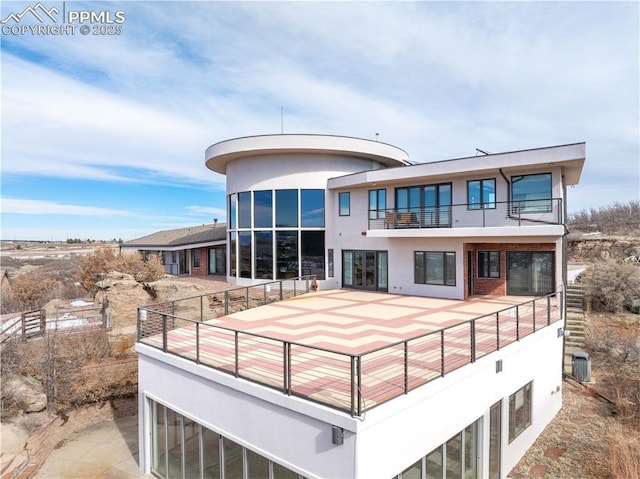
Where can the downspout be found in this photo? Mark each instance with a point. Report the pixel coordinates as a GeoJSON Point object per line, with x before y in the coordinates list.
{"type": "Point", "coordinates": [565, 251]}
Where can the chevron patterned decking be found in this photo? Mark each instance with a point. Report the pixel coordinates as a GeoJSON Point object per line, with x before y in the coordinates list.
{"type": "Point", "coordinates": [306, 345]}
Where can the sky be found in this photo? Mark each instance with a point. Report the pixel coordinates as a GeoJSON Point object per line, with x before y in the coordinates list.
{"type": "Point", "coordinates": [103, 134]}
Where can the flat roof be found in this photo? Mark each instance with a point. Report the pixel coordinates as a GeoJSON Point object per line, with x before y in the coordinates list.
{"type": "Point", "coordinates": [219, 155]}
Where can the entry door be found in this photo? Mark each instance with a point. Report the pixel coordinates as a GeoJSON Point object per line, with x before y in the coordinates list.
{"type": "Point", "coordinates": [364, 270]}
{"type": "Point", "coordinates": [530, 273]}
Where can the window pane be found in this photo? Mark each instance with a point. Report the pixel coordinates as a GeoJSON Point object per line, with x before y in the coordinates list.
{"type": "Point", "coordinates": [244, 209]}
{"type": "Point", "coordinates": [419, 272]}
{"type": "Point", "coordinates": [191, 449]}
{"type": "Point", "coordinates": [159, 453]}
{"type": "Point", "coordinates": [495, 435]}
{"type": "Point", "coordinates": [257, 465]}
{"type": "Point", "coordinates": [244, 239]}
{"type": "Point", "coordinates": [281, 472]}
{"type": "Point", "coordinates": [470, 452]}
{"type": "Point", "coordinates": [233, 204]}
{"type": "Point", "coordinates": [264, 254]}
{"type": "Point", "coordinates": [211, 453]}
{"type": "Point", "coordinates": [414, 471]}
{"type": "Point", "coordinates": [287, 254]}
{"type": "Point", "coordinates": [345, 204]}
{"type": "Point", "coordinates": [312, 250]}
{"type": "Point", "coordinates": [473, 194]}
{"type": "Point", "coordinates": [489, 193]}
{"type": "Point", "coordinates": [528, 190]}
{"type": "Point", "coordinates": [347, 267]}
{"type": "Point", "coordinates": [382, 199]}
{"type": "Point", "coordinates": [232, 459]}
{"type": "Point", "coordinates": [174, 443]}
{"type": "Point", "coordinates": [358, 268]}
{"type": "Point", "coordinates": [196, 257]}
{"type": "Point", "coordinates": [519, 411]}
{"type": "Point", "coordinates": [383, 283]}
{"type": "Point", "coordinates": [402, 200]}
{"type": "Point", "coordinates": [330, 266]}
{"type": "Point", "coordinates": [450, 269]}
{"type": "Point", "coordinates": [232, 254]}
{"type": "Point", "coordinates": [312, 208]}
{"type": "Point", "coordinates": [435, 268]}
{"type": "Point", "coordinates": [262, 209]}
{"type": "Point", "coordinates": [286, 208]}
{"type": "Point", "coordinates": [454, 456]}
{"type": "Point", "coordinates": [434, 464]}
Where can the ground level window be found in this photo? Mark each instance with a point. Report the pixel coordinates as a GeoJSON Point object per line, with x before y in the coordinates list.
{"type": "Point", "coordinates": [195, 257]}
{"type": "Point", "coordinates": [488, 264]}
{"type": "Point", "coordinates": [431, 267]}
{"type": "Point", "coordinates": [519, 411]}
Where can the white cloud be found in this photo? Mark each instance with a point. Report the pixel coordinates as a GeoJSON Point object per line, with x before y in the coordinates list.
{"type": "Point", "coordinates": [40, 207]}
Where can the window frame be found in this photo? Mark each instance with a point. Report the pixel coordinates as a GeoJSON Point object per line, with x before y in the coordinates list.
{"type": "Point", "coordinates": [378, 198]}
{"type": "Point", "coordinates": [539, 202]}
{"type": "Point", "coordinates": [347, 211]}
{"type": "Point", "coordinates": [195, 257]}
{"type": "Point", "coordinates": [482, 203]}
{"type": "Point", "coordinates": [448, 269]}
{"type": "Point", "coordinates": [488, 273]}
{"type": "Point", "coordinates": [520, 417]}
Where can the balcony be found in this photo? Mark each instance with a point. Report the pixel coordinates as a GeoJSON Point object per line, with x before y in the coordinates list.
{"type": "Point", "coordinates": [487, 215]}
{"type": "Point", "coordinates": [346, 349]}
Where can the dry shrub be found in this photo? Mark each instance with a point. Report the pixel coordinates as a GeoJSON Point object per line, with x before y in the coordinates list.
{"type": "Point", "coordinates": [32, 290]}
{"type": "Point", "coordinates": [611, 286]}
{"type": "Point", "coordinates": [624, 459]}
{"type": "Point", "coordinates": [107, 259]}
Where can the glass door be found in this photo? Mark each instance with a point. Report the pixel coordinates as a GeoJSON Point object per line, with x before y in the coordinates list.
{"type": "Point", "coordinates": [365, 270]}
{"type": "Point", "coordinates": [530, 273]}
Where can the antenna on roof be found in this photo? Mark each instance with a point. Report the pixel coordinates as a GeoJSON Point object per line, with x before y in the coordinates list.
{"type": "Point", "coordinates": [478, 150]}
{"type": "Point", "coordinates": [377, 135]}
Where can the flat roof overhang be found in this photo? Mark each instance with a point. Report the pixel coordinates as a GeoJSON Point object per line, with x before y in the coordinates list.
{"type": "Point", "coordinates": [219, 155]}
{"type": "Point", "coordinates": [570, 158]}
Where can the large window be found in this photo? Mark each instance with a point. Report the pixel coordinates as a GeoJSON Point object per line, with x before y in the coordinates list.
{"type": "Point", "coordinates": [233, 262]}
{"type": "Point", "coordinates": [183, 449]}
{"type": "Point", "coordinates": [312, 208]}
{"type": "Point", "coordinates": [217, 261]}
{"type": "Point", "coordinates": [377, 204]}
{"type": "Point", "coordinates": [481, 194]}
{"type": "Point", "coordinates": [488, 264]}
{"type": "Point", "coordinates": [430, 204]}
{"type": "Point", "coordinates": [345, 203]}
{"type": "Point", "coordinates": [286, 208]}
{"type": "Point", "coordinates": [519, 411]}
{"type": "Point", "coordinates": [531, 193]}
{"type": "Point", "coordinates": [530, 272]}
{"type": "Point", "coordinates": [365, 270]}
{"type": "Point", "coordinates": [233, 206]}
{"type": "Point", "coordinates": [287, 254]}
{"type": "Point", "coordinates": [435, 268]}
{"type": "Point", "coordinates": [262, 209]}
{"type": "Point", "coordinates": [244, 257]}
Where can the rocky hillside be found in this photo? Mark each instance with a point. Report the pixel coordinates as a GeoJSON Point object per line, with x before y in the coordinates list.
{"type": "Point", "coordinates": [590, 248]}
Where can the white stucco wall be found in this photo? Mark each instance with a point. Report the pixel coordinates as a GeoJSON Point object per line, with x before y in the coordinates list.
{"type": "Point", "coordinates": [297, 433]}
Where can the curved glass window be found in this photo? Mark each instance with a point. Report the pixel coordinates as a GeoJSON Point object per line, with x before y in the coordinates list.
{"type": "Point", "coordinates": [312, 208]}
{"type": "Point", "coordinates": [264, 255]}
{"type": "Point", "coordinates": [244, 240]}
{"type": "Point", "coordinates": [233, 206]}
{"type": "Point", "coordinates": [287, 254]}
{"type": "Point", "coordinates": [262, 209]}
{"type": "Point", "coordinates": [244, 209]}
{"type": "Point", "coordinates": [286, 208]}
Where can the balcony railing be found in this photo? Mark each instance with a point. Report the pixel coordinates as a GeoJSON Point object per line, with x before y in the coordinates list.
{"type": "Point", "coordinates": [353, 383]}
{"type": "Point", "coordinates": [477, 215]}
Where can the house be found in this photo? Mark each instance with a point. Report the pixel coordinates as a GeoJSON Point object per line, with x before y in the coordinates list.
{"type": "Point", "coordinates": [432, 348]}
{"type": "Point", "coordinates": [195, 250]}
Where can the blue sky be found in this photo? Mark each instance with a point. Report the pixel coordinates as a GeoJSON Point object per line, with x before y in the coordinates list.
{"type": "Point", "coordinates": [103, 136]}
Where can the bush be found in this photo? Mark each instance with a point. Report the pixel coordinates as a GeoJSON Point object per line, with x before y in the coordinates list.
{"type": "Point", "coordinates": [107, 259]}
{"type": "Point", "coordinates": [611, 286]}
{"type": "Point", "coordinates": [32, 290]}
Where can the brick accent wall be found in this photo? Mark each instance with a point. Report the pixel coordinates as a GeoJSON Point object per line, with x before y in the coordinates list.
{"type": "Point", "coordinates": [203, 268]}
{"type": "Point", "coordinates": [496, 286]}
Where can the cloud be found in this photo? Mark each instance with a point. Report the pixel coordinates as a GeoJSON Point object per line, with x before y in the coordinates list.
{"type": "Point", "coordinates": [40, 207]}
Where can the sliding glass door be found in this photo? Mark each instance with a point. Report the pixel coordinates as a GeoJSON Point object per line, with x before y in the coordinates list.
{"type": "Point", "coordinates": [365, 269]}
{"type": "Point", "coordinates": [530, 273]}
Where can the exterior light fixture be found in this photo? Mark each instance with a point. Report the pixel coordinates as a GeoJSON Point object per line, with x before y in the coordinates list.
{"type": "Point", "coordinates": [337, 435]}
{"type": "Point", "coordinates": [499, 366]}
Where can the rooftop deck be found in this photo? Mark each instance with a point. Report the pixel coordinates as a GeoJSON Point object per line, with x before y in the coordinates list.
{"type": "Point", "coordinates": [348, 349]}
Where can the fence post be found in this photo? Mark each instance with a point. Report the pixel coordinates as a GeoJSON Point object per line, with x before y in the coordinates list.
{"type": "Point", "coordinates": [353, 386]}
{"type": "Point", "coordinates": [23, 321]}
{"type": "Point", "coordinates": [281, 281]}
{"type": "Point", "coordinates": [197, 343]}
{"type": "Point", "coordinates": [247, 300]}
{"type": "Point", "coordinates": [264, 290]}
{"type": "Point", "coordinates": [226, 303]}
{"type": "Point", "coordinates": [201, 308]}
{"type": "Point", "coordinates": [43, 322]}
{"type": "Point", "coordinates": [497, 331]}
{"type": "Point", "coordinates": [359, 367]}
{"type": "Point", "coordinates": [518, 323]}
{"type": "Point", "coordinates": [534, 315]}
{"type": "Point", "coordinates": [285, 367]}
{"type": "Point", "coordinates": [548, 310]}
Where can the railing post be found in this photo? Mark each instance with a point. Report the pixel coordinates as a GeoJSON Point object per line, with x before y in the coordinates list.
{"type": "Point", "coordinates": [497, 331]}
{"type": "Point", "coordinates": [534, 315]}
{"type": "Point", "coordinates": [264, 291]}
{"type": "Point", "coordinates": [518, 323]}
{"type": "Point", "coordinates": [307, 285]}
{"type": "Point", "coordinates": [138, 327]}
{"type": "Point", "coordinates": [549, 310]}
{"type": "Point", "coordinates": [23, 320]}
{"type": "Point", "coordinates": [164, 333]}
{"type": "Point", "coordinates": [247, 301]}
{"type": "Point", "coordinates": [201, 308]}
{"type": "Point", "coordinates": [197, 343]}
{"type": "Point", "coordinates": [226, 303]}
{"type": "Point", "coordinates": [359, 366]}
{"type": "Point", "coordinates": [281, 281]}
{"type": "Point", "coordinates": [294, 288]}
{"type": "Point", "coordinates": [237, 355]}
{"type": "Point", "coordinates": [406, 367]}
{"type": "Point", "coordinates": [442, 352]}
{"type": "Point", "coordinates": [43, 322]}
{"type": "Point", "coordinates": [353, 387]}
{"type": "Point", "coordinates": [472, 325]}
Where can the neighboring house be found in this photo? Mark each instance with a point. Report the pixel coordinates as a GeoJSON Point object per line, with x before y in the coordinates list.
{"type": "Point", "coordinates": [196, 250]}
{"type": "Point", "coordinates": [433, 347]}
